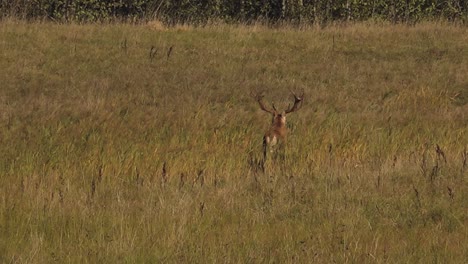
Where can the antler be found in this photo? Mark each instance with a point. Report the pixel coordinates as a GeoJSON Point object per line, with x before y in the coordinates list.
{"type": "Point", "coordinates": [258, 97]}
{"type": "Point", "coordinates": [297, 102]}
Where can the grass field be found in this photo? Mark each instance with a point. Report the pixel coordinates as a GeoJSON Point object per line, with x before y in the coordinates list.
{"type": "Point", "coordinates": [113, 152]}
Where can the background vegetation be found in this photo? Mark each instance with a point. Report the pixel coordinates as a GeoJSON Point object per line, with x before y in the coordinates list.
{"type": "Point", "coordinates": [126, 143]}
{"type": "Point", "coordinates": [272, 11]}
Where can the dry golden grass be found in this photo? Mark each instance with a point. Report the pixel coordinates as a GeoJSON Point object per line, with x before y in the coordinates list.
{"type": "Point", "coordinates": [116, 152]}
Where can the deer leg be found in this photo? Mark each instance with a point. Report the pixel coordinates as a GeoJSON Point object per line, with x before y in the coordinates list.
{"type": "Point", "coordinates": [265, 146]}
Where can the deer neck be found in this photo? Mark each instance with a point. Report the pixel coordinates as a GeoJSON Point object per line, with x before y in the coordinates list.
{"type": "Point", "coordinates": [278, 122]}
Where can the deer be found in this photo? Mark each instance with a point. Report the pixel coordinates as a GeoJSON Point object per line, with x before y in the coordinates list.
{"type": "Point", "coordinates": [278, 130]}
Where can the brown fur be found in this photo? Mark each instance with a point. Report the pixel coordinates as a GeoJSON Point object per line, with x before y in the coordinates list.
{"type": "Point", "coordinates": [276, 134]}
{"type": "Point", "coordinates": [278, 131]}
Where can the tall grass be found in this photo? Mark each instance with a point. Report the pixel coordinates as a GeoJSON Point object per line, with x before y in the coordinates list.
{"type": "Point", "coordinates": [115, 149]}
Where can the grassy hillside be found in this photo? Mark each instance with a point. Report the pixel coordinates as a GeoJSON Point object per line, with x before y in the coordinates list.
{"type": "Point", "coordinates": [114, 151]}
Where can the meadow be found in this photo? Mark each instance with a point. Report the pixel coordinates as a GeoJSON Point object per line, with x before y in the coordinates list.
{"type": "Point", "coordinates": [129, 143]}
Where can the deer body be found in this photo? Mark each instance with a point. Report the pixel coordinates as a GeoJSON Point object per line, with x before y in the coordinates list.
{"type": "Point", "coordinates": [277, 133]}
{"type": "Point", "coordinates": [278, 130]}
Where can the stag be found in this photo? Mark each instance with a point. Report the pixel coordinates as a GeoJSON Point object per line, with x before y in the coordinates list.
{"type": "Point", "coordinates": [278, 130]}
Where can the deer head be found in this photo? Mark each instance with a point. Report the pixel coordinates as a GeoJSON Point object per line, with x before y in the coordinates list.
{"type": "Point", "coordinates": [279, 117]}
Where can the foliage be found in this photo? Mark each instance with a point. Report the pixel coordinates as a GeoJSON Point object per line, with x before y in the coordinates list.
{"type": "Point", "coordinates": [202, 11]}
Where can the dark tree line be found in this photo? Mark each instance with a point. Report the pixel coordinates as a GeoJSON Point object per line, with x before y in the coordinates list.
{"type": "Point", "coordinates": [203, 11]}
